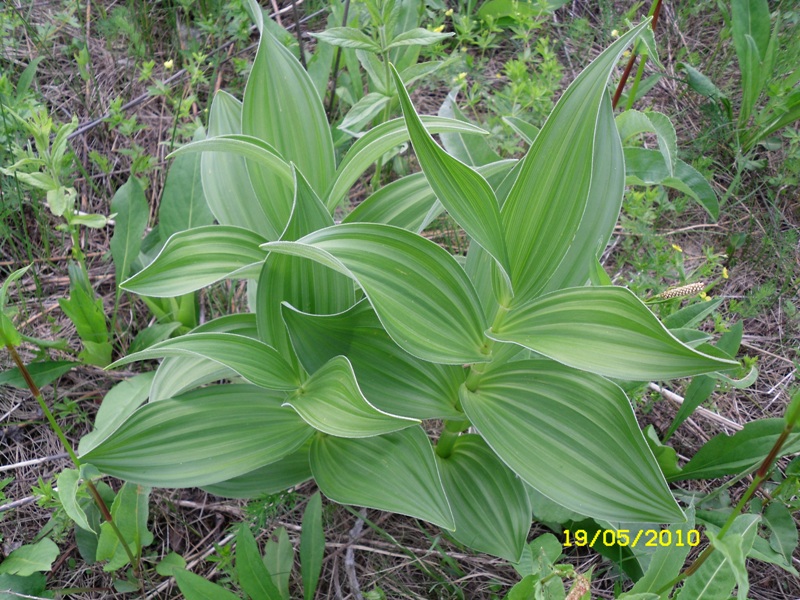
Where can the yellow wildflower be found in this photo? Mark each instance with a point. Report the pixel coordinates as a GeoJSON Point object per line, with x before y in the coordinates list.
{"type": "Point", "coordinates": [725, 273]}
{"type": "Point", "coordinates": [705, 296]}
{"type": "Point", "coordinates": [438, 29]}
{"type": "Point", "coordinates": [677, 248]}
{"type": "Point", "coordinates": [614, 33]}
{"type": "Point", "coordinates": [626, 54]}
{"type": "Point", "coordinates": [169, 64]}
{"type": "Point", "coordinates": [448, 12]}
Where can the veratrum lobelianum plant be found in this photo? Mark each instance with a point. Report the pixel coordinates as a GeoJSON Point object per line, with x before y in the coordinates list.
{"type": "Point", "coordinates": [361, 331]}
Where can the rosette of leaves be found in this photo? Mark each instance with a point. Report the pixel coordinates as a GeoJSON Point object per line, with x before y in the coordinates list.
{"type": "Point", "coordinates": [365, 336]}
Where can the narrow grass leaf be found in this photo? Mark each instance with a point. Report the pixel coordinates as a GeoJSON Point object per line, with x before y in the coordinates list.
{"type": "Point", "coordinates": [312, 546]}
{"type": "Point", "coordinates": [544, 208]}
{"type": "Point", "coordinates": [442, 323]}
{"type": "Point", "coordinates": [490, 507]}
{"type": "Point", "coordinates": [258, 363]}
{"type": "Point", "coordinates": [572, 436]}
{"type": "Point", "coordinates": [241, 427]}
{"type": "Point", "coordinates": [605, 330]}
{"type": "Point", "coordinates": [465, 194]}
{"type": "Point", "coordinates": [395, 472]}
{"type": "Point", "coordinates": [195, 587]}
{"type": "Point", "coordinates": [194, 259]}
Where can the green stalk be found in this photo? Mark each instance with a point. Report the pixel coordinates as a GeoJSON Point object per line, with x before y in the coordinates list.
{"type": "Point", "coordinates": [101, 505]}
{"type": "Point", "coordinates": [758, 479]}
{"type": "Point", "coordinates": [452, 430]}
{"type": "Point", "coordinates": [655, 11]}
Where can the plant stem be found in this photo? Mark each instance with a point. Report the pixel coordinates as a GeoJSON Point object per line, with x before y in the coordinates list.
{"type": "Point", "coordinates": [101, 505]}
{"type": "Point", "coordinates": [452, 430]}
{"type": "Point", "coordinates": [758, 479]}
{"type": "Point", "coordinates": [336, 63]}
{"type": "Point", "coordinates": [655, 11]}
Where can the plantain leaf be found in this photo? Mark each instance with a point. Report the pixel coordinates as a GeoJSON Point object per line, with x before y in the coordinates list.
{"type": "Point", "coordinates": [253, 575]}
{"type": "Point", "coordinates": [203, 437]}
{"type": "Point", "coordinates": [258, 363]}
{"type": "Point", "coordinates": [30, 558]}
{"type": "Point", "coordinates": [195, 587]}
{"type": "Point", "coordinates": [572, 436]}
{"type": "Point", "coordinates": [129, 511]}
{"type": "Point", "coordinates": [226, 183]}
{"type": "Point", "coordinates": [466, 195]}
{"type": "Point", "coordinates": [331, 402]}
{"type": "Point", "coordinates": [391, 379]}
{"type": "Point", "coordinates": [442, 323]}
{"type": "Point", "coordinates": [544, 207]}
{"type": "Point", "coordinates": [376, 142]}
{"type": "Point", "coordinates": [191, 260]}
{"type": "Point", "coordinates": [490, 507]}
{"type": "Point", "coordinates": [394, 472]}
{"type": "Point", "coordinates": [68, 495]}
{"type": "Point", "coordinates": [132, 212]}
{"type": "Point", "coordinates": [605, 330]}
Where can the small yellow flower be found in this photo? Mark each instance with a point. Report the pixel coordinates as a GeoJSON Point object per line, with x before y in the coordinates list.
{"type": "Point", "coordinates": [438, 29]}
{"type": "Point", "coordinates": [725, 273]}
{"type": "Point", "coordinates": [677, 248]}
{"type": "Point", "coordinates": [463, 48]}
{"type": "Point", "coordinates": [626, 54]}
{"type": "Point", "coordinates": [461, 76]}
{"type": "Point", "coordinates": [169, 64]}
{"type": "Point", "coordinates": [705, 296]}
{"type": "Point", "coordinates": [614, 33]}
{"type": "Point", "coordinates": [497, 75]}
{"type": "Point", "coordinates": [448, 12]}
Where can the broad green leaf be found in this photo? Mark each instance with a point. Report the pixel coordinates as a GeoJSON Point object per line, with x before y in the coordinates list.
{"type": "Point", "coordinates": [544, 208]}
{"type": "Point", "coordinates": [417, 37]}
{"type": "Point", "coordinates": [30, 558]}
{"type": "Point", "coordinates": [348, 37]}
{"type": "Point", "coordinates": [289, 471]}
{"type": "Point", "coordinates": [178, 374]}
{"type": "Point", "coordinates": [279, 559]}
{"type": "Point", "coordinates": [732, 454]}
{"type": "Point", "coordinates": [118, 404]}
{"type": "Point", "coordinates": [647, 167]}
{"type": "Point", "coordinates": [226, 183]}
{"type": "Point", "coordinates": [572, 436]}
{"type": "Point", "coordinates": [539, 555]}
{"type": "Point", "coordinates": [312, 546]}
{"type": "Point", "coordinates": [783, 537]}
{"type": "Point", "coordinates": [183, 204]}
{"type": "Point", "coordinates": [258, 363]}
{"type": "Point", "coordinates": [68, 494]}
{"type": "Point", "coordinates": [172, 562]}
{"type": "Point", "coordinates": [241, 427]}
{"type": "Point", "coordinates": [43, 373]}
{"type": "Point", "coordinates": [394, 472]}
{"type": "Point", "coordinates": [278, 98]}
{"type": "Point", "coordinates": [195, 587]}
{"type": "Point", "coordinates": [129, 511]}
{"type": "Point", "coordinates": [305, 284]}
{"type": "Point", "coordinates": [471, 150]}
{"type": "Point", "coordinates": [363, 111]}
{"type": "Point", "coordinates": [499, 9]}
{"type": "Point", "coordinates": [376, 142]}
{"type": "Point", "coordinates": [489, 503]}
{"type": "Point", "coordinates": [153, 334]}
{"type": "Point", "coordinates": [605, 330]}
{"type": "Point", "coordinates": [633, 122]}
{"type": "Point", "coordinates": [667, 562]}
{"type": "Point", "coordinates": [692, 315]}
{"type": "Point", "coordinates": [717, 576]}
{"type": "Point", "coordinates": [132, 213]}
{"type": "Point", "coordinates": [602, 206]}
{"type": "Point", "coordinates": [410, 203]}
{"type": "Point", "coordinates": [465, 194]}
{"type": "Point", "coordinates": [391, 379]}
{"type": "Point", "coordinates": [32, 585]}
{"type": "Point", "coordinates": [193, 259]}
{"type": "Point", "coordinates": [331, 401]}
{"type": "Point", "coordinates": [524, 129]}
{"type": "Point", "coordinates": [253, 575]}
{"type": "Point", "coordinates": [442, 323]}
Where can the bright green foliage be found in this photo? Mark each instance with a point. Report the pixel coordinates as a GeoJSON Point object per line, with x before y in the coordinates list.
{"type": "Point", "coordinates": [365, 328]}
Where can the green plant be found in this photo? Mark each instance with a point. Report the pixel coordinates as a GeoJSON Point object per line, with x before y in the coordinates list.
{"type": "Point", "coordinates": [324, 350]}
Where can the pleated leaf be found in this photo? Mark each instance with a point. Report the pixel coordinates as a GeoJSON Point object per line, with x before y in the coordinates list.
{"type": "Point", "coordinates": [490, 506]}
{"type": "Point", "coordinates": [194, 259]}
{"type": "Point", "coordinates": [544, 208]}
{"type": "Point", "coordinates": [466, 195]}
{"type": "Point", "coordinates": [572, 436]}
{"type": "Point", "coordinates": [375, 143]}
{"type": "Point", "coordinates": [258, 363]}
{"type": "Point", "coordinates": [420, 293]}
{"type": "Point", "coordinates": [226, 183]}
{"type": "Point", "coordinates": [331, 402]}
{"type": "Point", "coordinates": [303, 283]}
{"type": "Point", "coordinates": [281, 107]}
{"type": "Point", "coordinates": [395, 472]}
{"type": "Point", "coordinates": [605, 330]}
{"type": "Point", "coordinates": [203, 437]}
{"type": "Point", "coordinates": [389, 377]}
